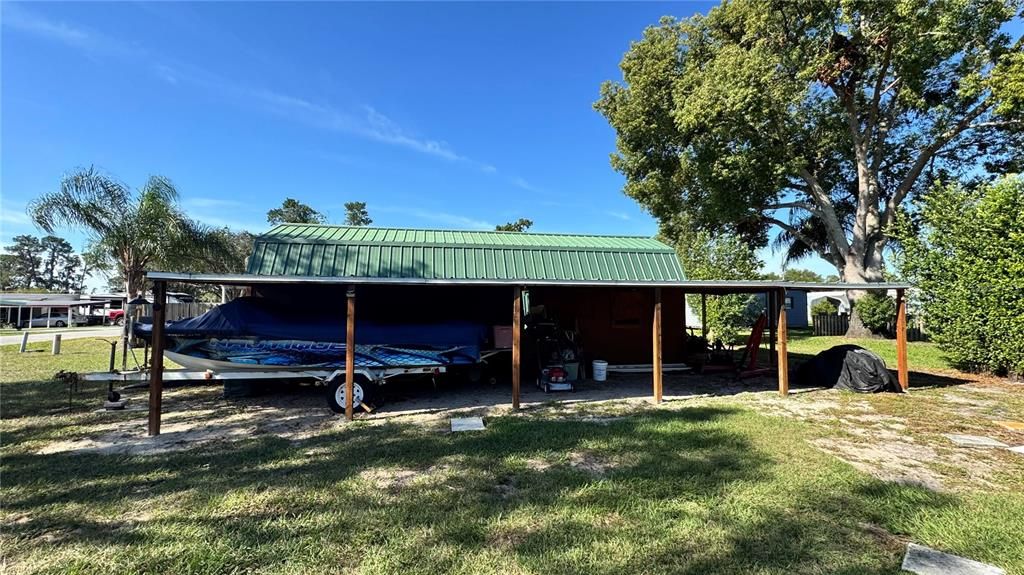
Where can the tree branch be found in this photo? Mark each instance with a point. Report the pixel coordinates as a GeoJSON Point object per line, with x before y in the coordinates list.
{"type": "Point", "coordinates": [876, 97]}
{"type": "Point", "coordinates": [801, 205]}
{"type": "Point", "coordinates": [995, 124]}
{"type": "Point", "coordinates": [926, 155]}
{"type": "Point", "coordinates": [826, 212]}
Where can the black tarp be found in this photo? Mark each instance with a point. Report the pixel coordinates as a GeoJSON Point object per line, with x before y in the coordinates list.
{"type": "Point", "coordinates": [262, 318]}
{"type": "Point", "coordinates": [848, 367]}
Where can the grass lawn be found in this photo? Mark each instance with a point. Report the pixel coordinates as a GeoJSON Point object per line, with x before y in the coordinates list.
{"type": "Point", "coordinates": [704, 486]}
{"type": "Point", "coordinates": [920, 354]}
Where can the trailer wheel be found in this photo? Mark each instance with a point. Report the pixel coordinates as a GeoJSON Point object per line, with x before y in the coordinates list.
{"type": "Point", "coordinates": [363, 391]}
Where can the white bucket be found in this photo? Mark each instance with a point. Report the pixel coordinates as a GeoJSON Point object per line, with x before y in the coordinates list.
{"type": "Point", "coordinates": [600, 370]}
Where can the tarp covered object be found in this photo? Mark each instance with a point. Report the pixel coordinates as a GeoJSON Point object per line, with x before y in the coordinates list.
{"type": "Point", "coordinates": [265, 319]}
{"type": "Point", "coordinates": [848, 367]}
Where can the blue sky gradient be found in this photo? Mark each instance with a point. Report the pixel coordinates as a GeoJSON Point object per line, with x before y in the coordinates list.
{"type": "Point", "coordinates": [460, 115]}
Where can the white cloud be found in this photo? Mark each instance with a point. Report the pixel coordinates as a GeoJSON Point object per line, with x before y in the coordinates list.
{"type": "Point", "coordinates": [14, 217]}
{"type": "Point", "coordinates": [368, 123]}
{"type": "Point", "coordinates": [210, 203]}
{"type": "Point", "coordinates": [488, 169]}
{"type": "Point", "coordinates": [383, 129]}
{"type": "Point", "coordinates": [230, 223]}
{"type": "Point", "coordinates": [167, 74]}
{"type": "Point", "coordinates": [439, 217]}
{"type": "Point", "coordinates": [520, 182]}
{"type": "Point", "coordinates": [619, 215]}
{"type": "Point", "coordinates": [365, 122]}
{"type": "Point", "coordinates": [28, 21]}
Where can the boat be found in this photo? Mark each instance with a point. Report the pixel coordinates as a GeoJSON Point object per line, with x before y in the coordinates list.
{"type": "Point", "coordinates": [253, 333]}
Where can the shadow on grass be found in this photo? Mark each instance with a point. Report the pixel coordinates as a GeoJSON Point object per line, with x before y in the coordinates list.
{"type": "Point", "coordinates": [32, 398]}
{"type": "Point", "coordinates": [688, 491]}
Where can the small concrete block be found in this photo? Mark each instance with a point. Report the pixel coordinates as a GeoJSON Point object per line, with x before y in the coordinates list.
{"type": "Point", "coordinates": [1012, 425]}
{"type": "Point", "coordinates": [467, 424]}
{"type": "Point", "coordinates": [1019, 449]}
{"type": "Point", "coordinates": [924, 561]}
{"type": "Point", "coordinates": [119, 404]}
{"type": "Point", "coordinates": [974, 440]}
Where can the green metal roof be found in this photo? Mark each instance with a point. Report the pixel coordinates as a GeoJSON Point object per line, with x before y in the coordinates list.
{"type": "Point", "coordinates": [340, 251]}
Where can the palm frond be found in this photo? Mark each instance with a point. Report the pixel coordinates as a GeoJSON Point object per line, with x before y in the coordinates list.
{"type": "Point", "coordinates": [86, 200]}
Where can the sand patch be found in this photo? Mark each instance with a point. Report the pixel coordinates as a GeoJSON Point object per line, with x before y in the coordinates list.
{"type": "Point", "coordinates": [588, 462]}
{"type": "Point", "coordinates": [196, 427]}
{"type": "Point", "coordinates": [900, 462]}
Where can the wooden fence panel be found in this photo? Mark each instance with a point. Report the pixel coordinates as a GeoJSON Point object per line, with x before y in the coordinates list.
{"type": "Point", "coordinates": [832, 324]}
{"type": "Point", "coordinates": [176, 311]}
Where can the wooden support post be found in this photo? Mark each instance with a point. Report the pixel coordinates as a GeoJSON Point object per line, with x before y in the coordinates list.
{"type": "Point", "coordinates": [771, 313]}
{"type": "Point", "coordinates": [656, 346]}
{"type": "Point", "coordinates": [783, 356]}
{"type": "Point", "coordinates": [901, 339]}
{"type": "Point", "coordinates": [156, 371]}
{"type": "Point", "coordinates": [55, 348]}
{"type": "Point", "coordinates": [350, 351]}
{"type": "Point", "coordinates": [704, 315]}
{"type": "Point", "coordinates": [24, 342]}
{"type": "Point", "coordinates": [517, 327]}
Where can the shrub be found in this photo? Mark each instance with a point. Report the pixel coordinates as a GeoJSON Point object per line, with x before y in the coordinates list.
{"type": "Point", "coordinates": [964, 250]}
{"type": "Point", "coordinates": [824, 307]}
{"type": "Point", "coordinates": [876, 311]}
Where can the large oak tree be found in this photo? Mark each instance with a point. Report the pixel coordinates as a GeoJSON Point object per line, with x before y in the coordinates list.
{"type": "Point", "coordinates": [820, 118]}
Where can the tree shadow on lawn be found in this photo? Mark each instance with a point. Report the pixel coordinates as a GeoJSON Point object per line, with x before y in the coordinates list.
{"type": "Point", "coordinates": [688, 490]}
{"type": "Point", "coordinates": [34, 398]}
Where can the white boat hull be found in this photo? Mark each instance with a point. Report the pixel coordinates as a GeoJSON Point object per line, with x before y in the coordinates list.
{"type": "Point", "coordinates": [202, 363]}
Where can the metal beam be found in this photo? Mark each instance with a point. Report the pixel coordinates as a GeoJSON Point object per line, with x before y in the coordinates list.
{"type": "Point", "coordinates": [693, 286]}
{"type": "Point", "coordinates": [156, 372]}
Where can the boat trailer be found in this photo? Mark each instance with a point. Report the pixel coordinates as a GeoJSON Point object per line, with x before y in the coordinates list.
{"type": "Point", "coordinates": [367, 380]}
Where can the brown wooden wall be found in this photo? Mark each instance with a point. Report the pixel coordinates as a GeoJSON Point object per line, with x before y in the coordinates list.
{"type": "Point", "coordinates": [615, 323]}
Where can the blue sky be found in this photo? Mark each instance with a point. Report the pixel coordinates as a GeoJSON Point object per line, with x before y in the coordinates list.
{"type": "Point", "coordinates": [461, 115]}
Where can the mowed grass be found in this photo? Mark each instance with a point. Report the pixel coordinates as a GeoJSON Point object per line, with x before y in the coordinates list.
{"type": "Point", "coordinates": [920, 354]}
{"type": "Point", "coordinates": [698, 488]}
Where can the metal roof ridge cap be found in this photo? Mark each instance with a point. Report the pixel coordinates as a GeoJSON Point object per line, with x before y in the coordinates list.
{"type": "Point", "coordinates": [393, 243]}
{"type": "Point", "coordinates": [460, 231]}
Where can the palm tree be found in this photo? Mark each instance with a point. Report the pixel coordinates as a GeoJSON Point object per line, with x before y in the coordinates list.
{"type": "Point", "coordinates": [131, 231]}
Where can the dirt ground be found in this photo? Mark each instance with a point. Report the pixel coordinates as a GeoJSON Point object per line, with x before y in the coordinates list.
{"type": "Point", "coordinates": [897, 437]}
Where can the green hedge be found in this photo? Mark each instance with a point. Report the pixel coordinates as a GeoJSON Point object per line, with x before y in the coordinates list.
{"type": "Point", "coordinates": [964, 249]}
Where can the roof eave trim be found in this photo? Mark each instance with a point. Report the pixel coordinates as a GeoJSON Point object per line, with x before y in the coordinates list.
{"type": "Point", "coordinates": [250, 279]}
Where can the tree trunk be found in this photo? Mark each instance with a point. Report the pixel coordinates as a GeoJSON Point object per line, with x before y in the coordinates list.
{"type": "Point", "coordinates": [857, 328]}
{"type": "Point", "coordinates": [133, 284]}
{"type": "Point", "coordinates": [860, 269]}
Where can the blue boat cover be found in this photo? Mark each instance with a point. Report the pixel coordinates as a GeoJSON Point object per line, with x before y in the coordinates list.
{"type": "Point", "coordinates": [264, 319]}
